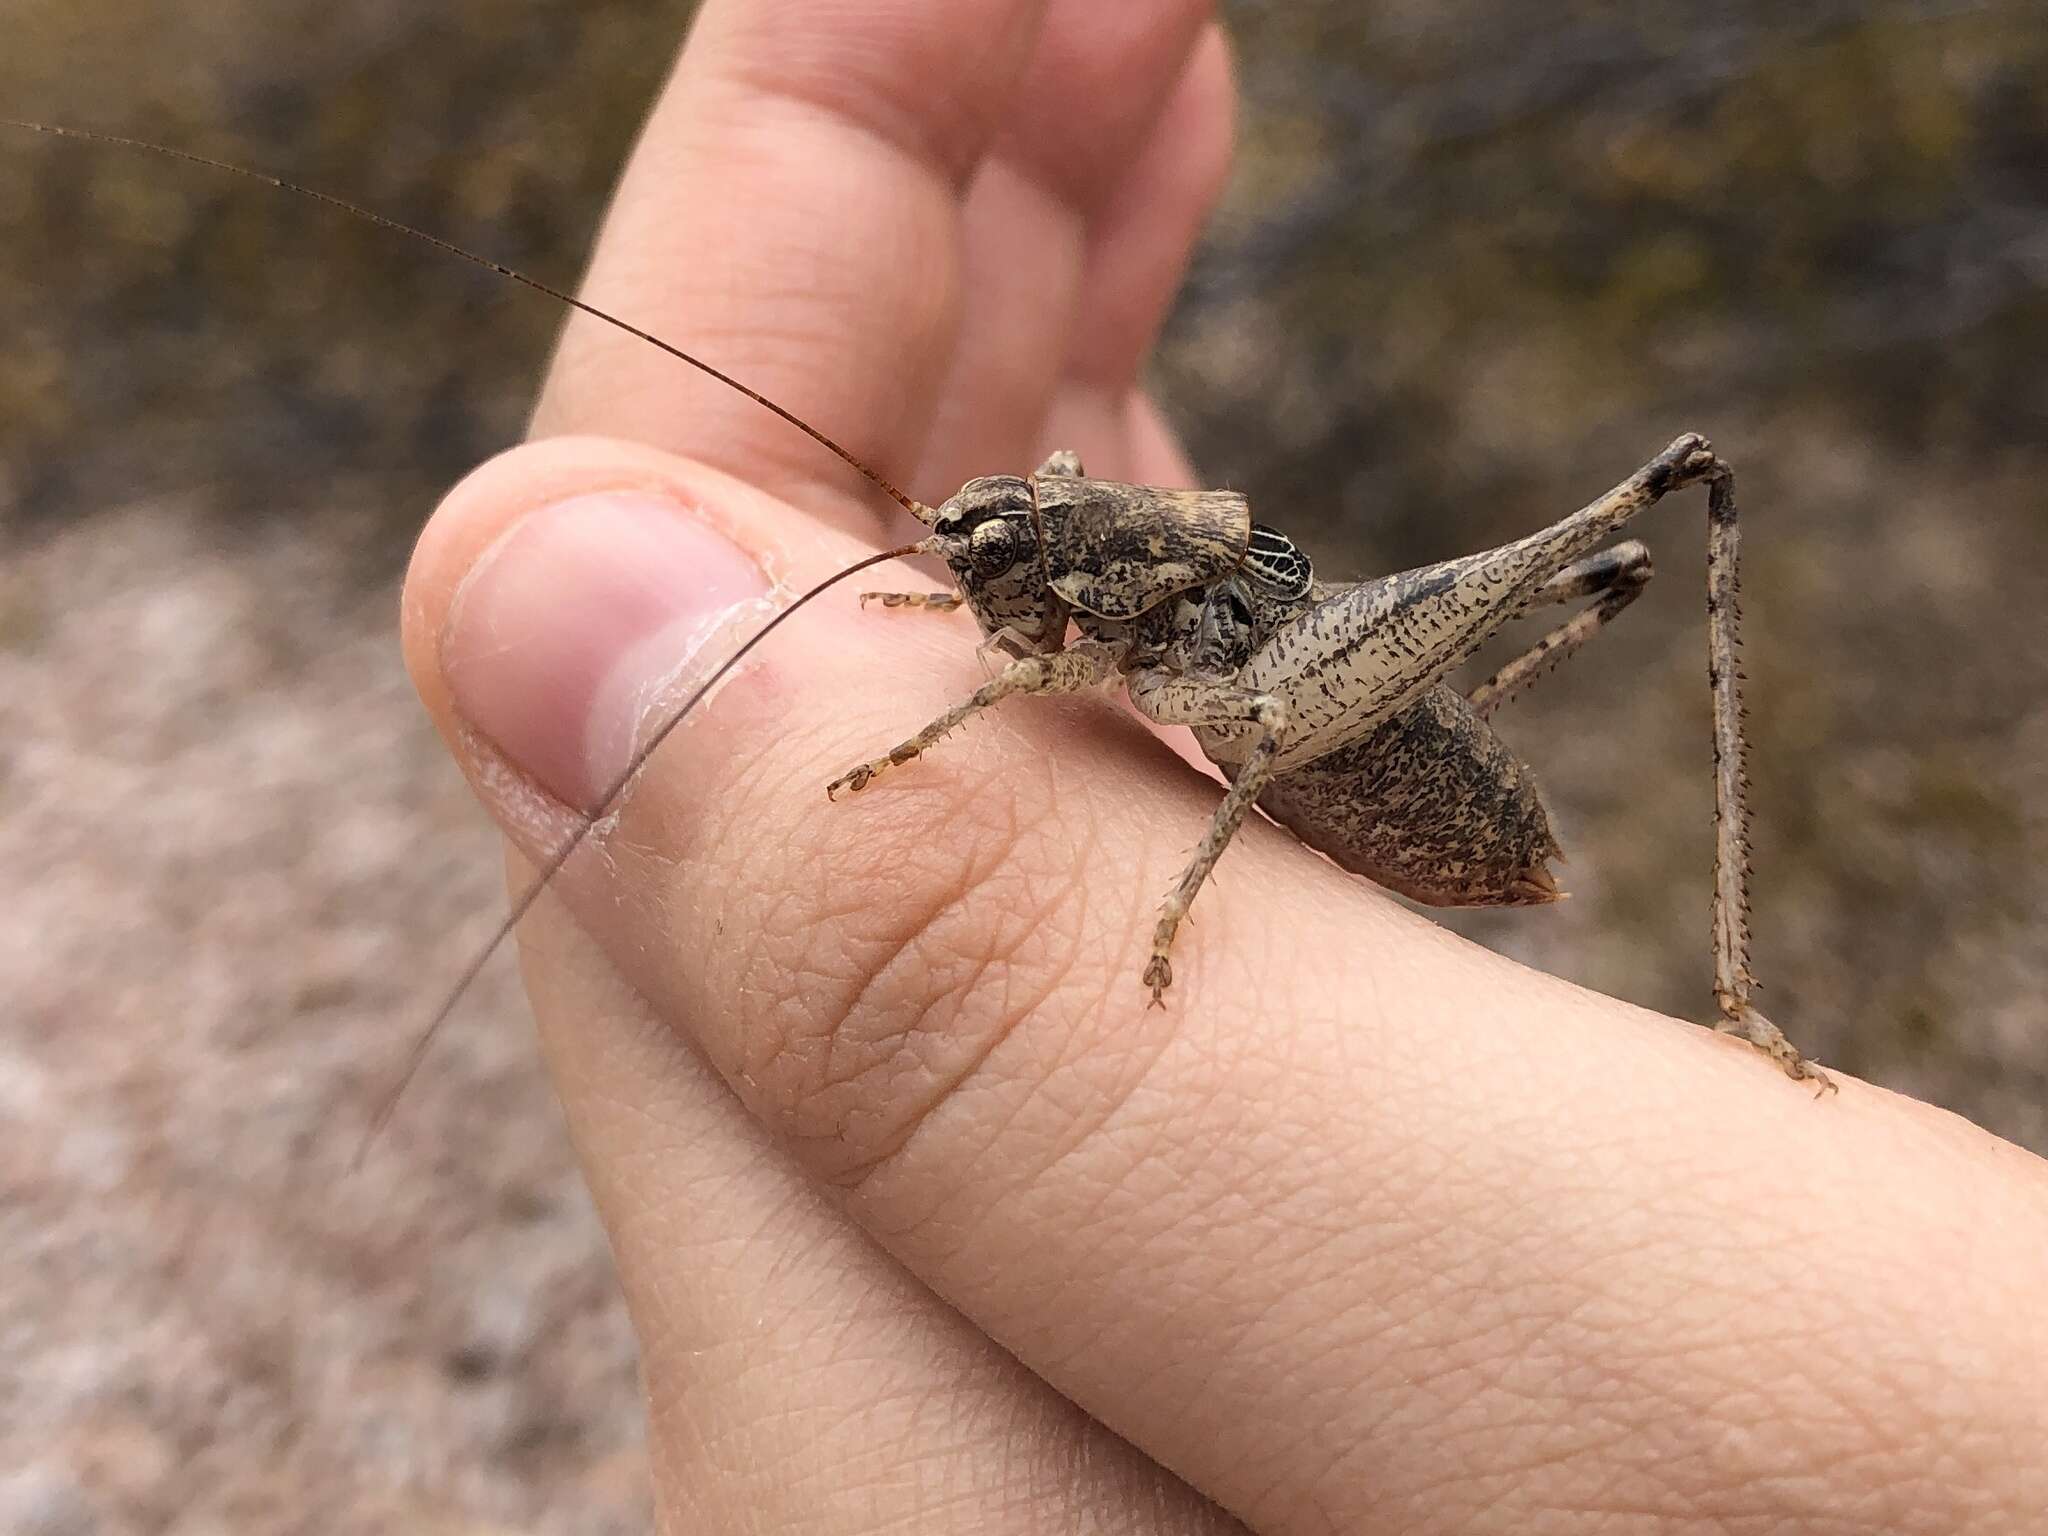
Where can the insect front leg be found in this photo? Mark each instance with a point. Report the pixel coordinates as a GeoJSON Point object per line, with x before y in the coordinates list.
{"type": "Point", "coordinates": [1083, 665]}
{"type": "Point", "coordinates": [1616, 576]}
{"type": "Point", "coordinates": [1172, 700]}
{"type": "Point", "coordinates": [931, 602]}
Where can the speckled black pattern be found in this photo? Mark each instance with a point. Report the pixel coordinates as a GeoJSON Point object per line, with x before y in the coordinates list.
{"type": "Point", "coordinates": [1431, 804]}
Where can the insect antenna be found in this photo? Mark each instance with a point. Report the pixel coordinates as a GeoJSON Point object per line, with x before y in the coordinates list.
{"type": "Point", "coordinates": [915, 508]}
{"type": "Point", "coordinates": [387, 1104]}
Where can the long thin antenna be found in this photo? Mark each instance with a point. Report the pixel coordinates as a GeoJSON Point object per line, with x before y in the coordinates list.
{"type": "Point", "coordinates": [93, 136]}
{"type": "Point", "coordinates": [552, 866]}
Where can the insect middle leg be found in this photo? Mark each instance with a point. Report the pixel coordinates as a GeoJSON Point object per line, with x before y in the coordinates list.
{"type": "Point", "coordinates": [1616, 576]}
{"type": "Point", "coordinates": [1171, 700]}
{"type": "Point", "coordinates": [1083, 665]}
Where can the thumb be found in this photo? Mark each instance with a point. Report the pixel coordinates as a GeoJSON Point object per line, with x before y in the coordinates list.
{"type": "Point", "coordinates": [795, 1375]}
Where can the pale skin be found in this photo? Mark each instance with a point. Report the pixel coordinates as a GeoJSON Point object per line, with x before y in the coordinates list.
{"type": "Point", "coordinates": [926, 1220]}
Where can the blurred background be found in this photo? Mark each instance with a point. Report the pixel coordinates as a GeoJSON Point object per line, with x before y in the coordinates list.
{"type": "Point", "coordinates": [1481, 259]}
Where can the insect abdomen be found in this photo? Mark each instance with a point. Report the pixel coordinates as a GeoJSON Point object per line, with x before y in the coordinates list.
{"type": "Point", "coordinates": [1432, 804]}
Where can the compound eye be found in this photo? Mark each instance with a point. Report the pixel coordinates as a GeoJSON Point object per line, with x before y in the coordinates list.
{"type": "Point", "coordinates": [994, 547]}
{"type": "Point", "coordinates": [1276, 564]}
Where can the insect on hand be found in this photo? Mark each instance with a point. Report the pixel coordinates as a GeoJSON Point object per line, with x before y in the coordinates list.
{"type": "Point", "coordinates": [1324, 703]}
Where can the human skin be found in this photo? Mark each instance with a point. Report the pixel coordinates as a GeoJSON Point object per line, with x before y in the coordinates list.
{"type": "Point", "coordinates": [925, 1219]}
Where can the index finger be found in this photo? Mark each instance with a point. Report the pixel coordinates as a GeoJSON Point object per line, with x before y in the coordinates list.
{"type": "Point", "coordinates": [790, 214]}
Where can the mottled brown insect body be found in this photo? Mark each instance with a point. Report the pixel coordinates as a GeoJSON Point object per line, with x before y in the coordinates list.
{"type": "Point", "coordinates": [1325, 703]}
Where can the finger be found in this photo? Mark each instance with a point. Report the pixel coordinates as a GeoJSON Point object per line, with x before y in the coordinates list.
{"type": "Point", "coordinates": [791, 214]}
{"type": "Point", "coordinates": [1138, 252]}
{"type": "Point", "coordinates": [1366, 1226]}
{"type": "Point", "coordinates": [795, 1375]}
{"type": "Point", "coordinates": [1049, 216]}
{"type": "Point", "coordinates": [797, 1378]}
{"type": "Point", "coordinates": [1138, 256]}
{"type": "Point", "coordinates": [1148, 223]}
{"type": "Point", "coordinates": [1157, 457]}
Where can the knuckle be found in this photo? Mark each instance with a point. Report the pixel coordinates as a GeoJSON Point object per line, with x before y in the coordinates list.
{"type": "Point", "coordinates": [918, 942]}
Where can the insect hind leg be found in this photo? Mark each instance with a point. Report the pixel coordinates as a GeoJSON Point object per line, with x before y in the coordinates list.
{"type": "Point", "coordinates": [1691, 460]}
{"type": "Point", "coordinates": [1733, 979]}
{"type": "Point", "coordinates": [1616, 576]}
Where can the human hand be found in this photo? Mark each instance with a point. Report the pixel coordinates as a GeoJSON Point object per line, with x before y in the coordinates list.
{"type": "Point", "coordinates": [1368, 1229]}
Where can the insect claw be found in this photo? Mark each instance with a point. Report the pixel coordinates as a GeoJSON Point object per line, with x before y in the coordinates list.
{"type": "Point", "coordinates": [853, 783]}
{"type": "Point", "coordinates": [1159, 976]}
